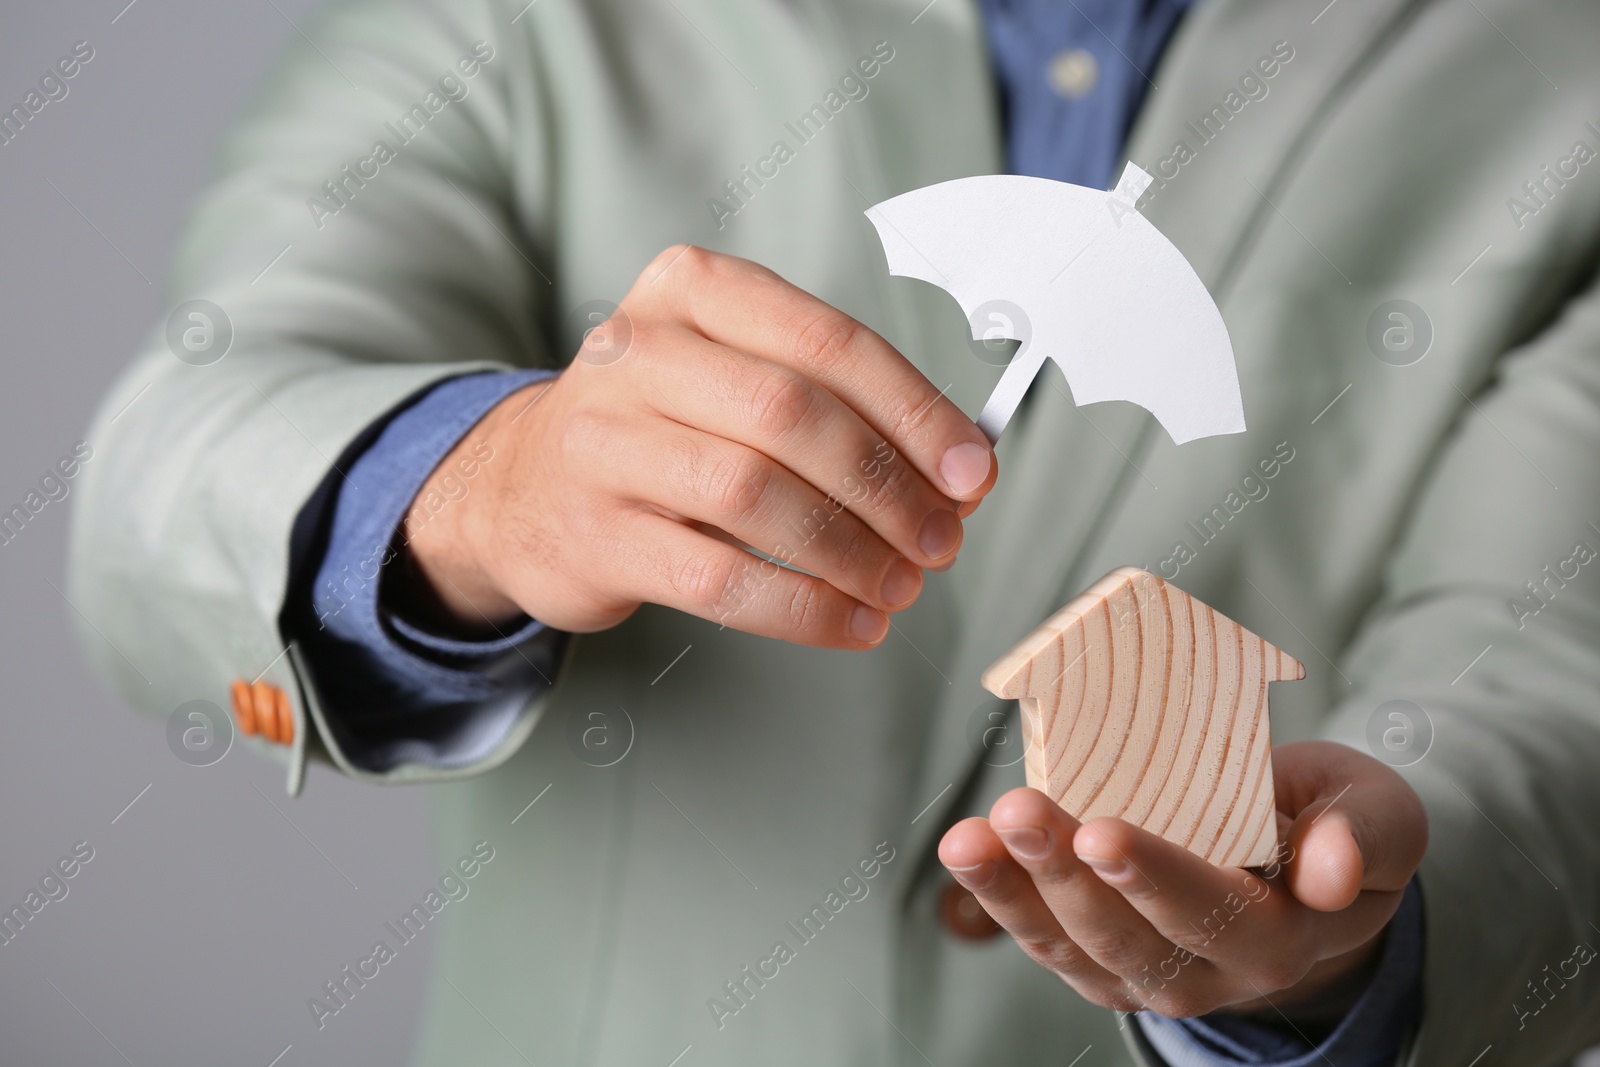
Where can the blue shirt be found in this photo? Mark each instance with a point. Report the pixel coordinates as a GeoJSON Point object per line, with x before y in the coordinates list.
{"type": "Point", "coordinates": [1072, 76]}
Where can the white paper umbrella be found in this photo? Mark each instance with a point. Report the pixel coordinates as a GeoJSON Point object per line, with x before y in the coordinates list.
{"type": "Point", "coordinates": [1079, 276]}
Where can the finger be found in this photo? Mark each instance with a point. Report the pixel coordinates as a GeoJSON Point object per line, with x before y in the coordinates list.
{"type": "Point", "coordinates": [780, 412]}
{"type": "Point", "coordinates": [680, 568]}
{"type": "Point", "coordinates": [1228, 916]}
{"type": "Point", "coordinates": [763, 504]}
{"type": "Point", "coordinates": [1357, 824]}
{"type": "Point", "coordinates": [1040, 836]}
{"type": "Point", "coordinates": [1341, 852]}
{"type": "Point", "coordinates": [742, 305]}
{"type": "Point", "coordinates": [1259, 938]}
{"type": "Point", "coordinates": [977, 859]}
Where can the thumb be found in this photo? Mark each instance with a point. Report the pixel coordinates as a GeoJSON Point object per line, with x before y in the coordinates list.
{"type": "Point", "coordinates": [1358, 826]}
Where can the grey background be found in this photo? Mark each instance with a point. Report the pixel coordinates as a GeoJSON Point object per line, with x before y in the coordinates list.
{"type": "Point", "coordinates": [206, 918]}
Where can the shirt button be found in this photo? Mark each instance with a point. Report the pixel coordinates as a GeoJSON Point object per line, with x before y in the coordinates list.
{"type": "Point", "coordinates": [962, 915]}
{"type": "Point", "coordinates": [1074, 73]}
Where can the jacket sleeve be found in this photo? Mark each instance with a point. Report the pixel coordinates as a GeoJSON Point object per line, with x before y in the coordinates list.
{"type": "Point", "coordinates": [361, 242]}
{"type": "Point", "coordinates": [1478, 675]}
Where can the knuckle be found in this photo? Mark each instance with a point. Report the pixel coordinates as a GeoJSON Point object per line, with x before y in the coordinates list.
{"type": "Point", "coordinates": [1276, 974]}
{"type": "Point", "coordinates": [1371, 838]}
{"type": "Point", "coordinates": [1179, 1003]}
{"type": "Point", "coordinates": [853, 547]}
{"type": "Point", "coordinates": [890, 488]}
{"type": "Point", "coordinates": [1117, 950]}
{"type": "Point", "coordinates": [691, 259]}
{"type": "Point", "coordinates": [782, 404]}
{"type": "Point", "coordinates": [1110, 996]}
{"type": "Point", "coordinates": [646, 339]}
{"type": "Point", "coordinates": [808, 607]}
{"type": "Point", "coordinates": [828, 338]}
{"type": "Point", "coordinates": [735, 488]}
{"type": "Point", "coordinates": [1191, 941]}
{"type": "Point", "coordinates": [671, 253]}
{"type": "Point", "coordinates": [707, 582]}
{"type": "Point", "coordinates": [1057, 954]}
{"type": "Point", "coordinates": [702, 262]}
{"type": "Point", "coordinates": [588, 521]}
{"type": "Point", "coordinates": [913, 417]}
{"type": "Point", "coordinates": [1124, 1002]}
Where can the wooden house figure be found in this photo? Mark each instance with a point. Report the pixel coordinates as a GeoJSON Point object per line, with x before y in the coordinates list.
{"type": "Point", "coordinates": [1142, 703]}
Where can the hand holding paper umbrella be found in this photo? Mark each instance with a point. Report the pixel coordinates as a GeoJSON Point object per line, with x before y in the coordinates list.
{"type": "Point", "coordinates": [1101, 291]}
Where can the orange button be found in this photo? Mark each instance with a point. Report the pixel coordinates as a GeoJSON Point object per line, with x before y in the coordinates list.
{"type": "Point", "coordinates": [962, 914]}
{"type": "Point", "coordinates": [262, 695]}
{"type": "Point", "coordinates": [263, 708]}
{"type": "Point", "coordinates": [243, 709]}
{"type": "Point", "coordinates": [285, 719]}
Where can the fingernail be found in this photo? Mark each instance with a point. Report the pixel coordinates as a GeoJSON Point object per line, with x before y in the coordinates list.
{"type": "Point", "coordinates": [1111, 870]}
{"type": "Point", "coordinates": [1029, 842]}
{"type": "Point", "coordinates": [902, 583]}
{"type": "Point", "coordinates": [868, 624]}
{"type": "Point", "coordinates": [975, 877]}
{"type": "Point", "coordinates": [940, 533]}
{"type": "Point", "coordinates": [964, 467]}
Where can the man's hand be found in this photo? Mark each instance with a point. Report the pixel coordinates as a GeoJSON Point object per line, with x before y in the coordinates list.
{"type": "Point", "coordinates": [1133, 922]}
{"type": "Point", "coordinates": [720, 407]}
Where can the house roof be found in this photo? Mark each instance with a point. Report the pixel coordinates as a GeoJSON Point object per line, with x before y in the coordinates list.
{"type": "Point", "coordinates": [1124, 595]}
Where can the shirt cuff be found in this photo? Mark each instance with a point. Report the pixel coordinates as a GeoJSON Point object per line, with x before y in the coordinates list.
{"type": "Point", "coordinates": [392, 690]}
{"type": "Point", "coordinates": [1370, 1035]}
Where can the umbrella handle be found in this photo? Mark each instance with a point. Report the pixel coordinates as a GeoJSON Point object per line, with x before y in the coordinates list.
{"type": "Point", "coordinates": [1010, 390]}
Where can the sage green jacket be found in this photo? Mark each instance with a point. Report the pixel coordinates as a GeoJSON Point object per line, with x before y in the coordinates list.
{"type": "Point", "coordinates": [1427, 533]}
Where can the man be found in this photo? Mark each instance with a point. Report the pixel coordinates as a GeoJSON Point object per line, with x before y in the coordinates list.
{"type": "Point", "coordinates": [723, 813]}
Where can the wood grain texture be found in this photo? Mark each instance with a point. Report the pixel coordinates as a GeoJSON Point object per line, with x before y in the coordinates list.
{"type": "Point", "coordinates": [1140, 702]}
